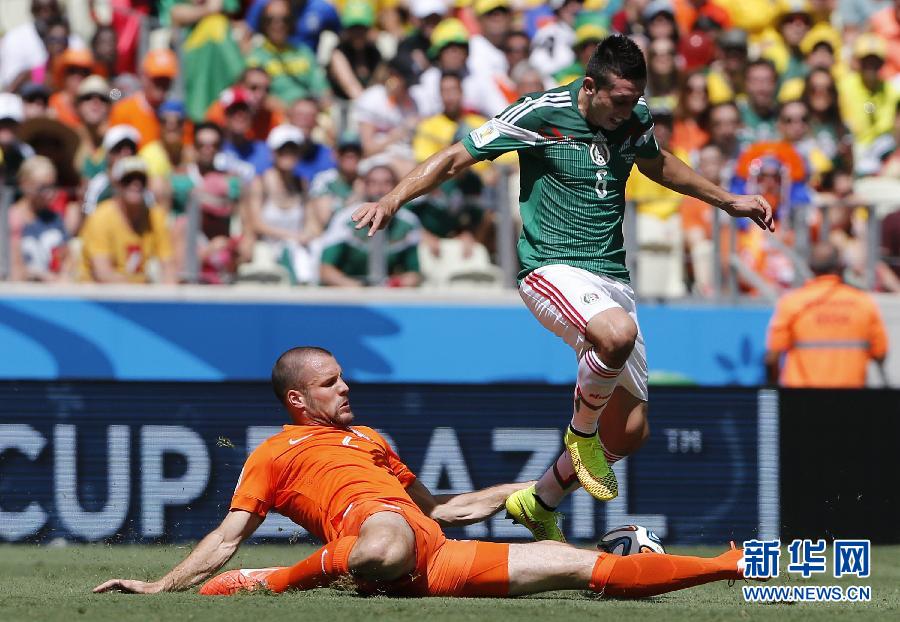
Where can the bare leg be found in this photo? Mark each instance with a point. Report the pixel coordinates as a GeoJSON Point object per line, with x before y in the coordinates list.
{"type": "Point", "coordinates": [624, 426]}
{"type": "Point", "coordinates": [385, 548]}
{"type": "Point", "coordinates": [623, 429]}
{"type": "Point", "coordinates": [546, 566]}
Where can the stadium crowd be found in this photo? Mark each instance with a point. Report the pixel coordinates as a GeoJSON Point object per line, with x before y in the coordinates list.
{"type": "Point", "coordinates": [269, 120]}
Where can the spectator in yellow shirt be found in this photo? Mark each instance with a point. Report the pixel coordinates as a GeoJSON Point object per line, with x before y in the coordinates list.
{"type": "Point", "coordinates": [123, 234]}
{"type": "Point", "coordinates": [868, 104]}
{"type": "Point", "coordinates": [442, 130]}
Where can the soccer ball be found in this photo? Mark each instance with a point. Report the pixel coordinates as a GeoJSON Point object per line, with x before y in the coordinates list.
{"type": "Point", "coordinates": [630, 539]}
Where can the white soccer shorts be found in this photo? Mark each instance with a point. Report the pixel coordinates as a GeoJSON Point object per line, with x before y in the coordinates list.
{"type": "Point", "coordinates": [564, 299]}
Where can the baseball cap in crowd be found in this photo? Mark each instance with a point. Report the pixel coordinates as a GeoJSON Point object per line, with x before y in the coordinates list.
{"type": "Point", "coordinates": [349, 141]}
{"type": "Point", "coordinates": [733, 39]}
{"type": "Point", "coordinates": [794, 7]}
{"type": "Point", "coordinates": [94, 85]}
{"type": "Point", "coordinates": [486, 6]}
{"type": "Point", "coordinates": [161, 63]}
{"type": "Point", "coordinates": [697, 50]}
{"type": "Point", "coordinates": [118, 134]}
{"type": "Point", "coordinates": [131, 165]}
{"type": "Point", "coordinates": [172, 106]}
{"type": "Point", "coordinates": [284, 134]}
{"type": "Point", "coordinates": [76, 57]}
{"type": "Point", "coordinates": [868, 44]}
{"type": "Point", "coordinates": [819, 34]}
{"type": "Point", "coordinates": [11, 107]}
{"type": "Point", "coordinates": [30, 91]}
{"type": "Point", "coordinates": [590, 27]}
{"type": "Point", "coordinates": [357, 13]}
{"type": "Point", "coordinates": [448, 32]}
{"type": "Point", "coordinates": [234, 96]}
{"type": "Point", "coordinates": [656, 7]}
{"type": "Point", "coordinates": [424, 8]}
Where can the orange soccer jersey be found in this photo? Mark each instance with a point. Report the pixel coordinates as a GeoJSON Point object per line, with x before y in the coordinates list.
{"type": "Point", "coordinates": [829, 331]}
{"type": "Point", "coordinates": [329, 480]}
{"type": "Point", "coordinates": [315, 474]}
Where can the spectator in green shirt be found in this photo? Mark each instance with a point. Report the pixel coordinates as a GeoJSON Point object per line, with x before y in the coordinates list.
{"type": "Point", "coordinates": [345, 258]}
{"type": "Point", "coordinates": [294, 70]}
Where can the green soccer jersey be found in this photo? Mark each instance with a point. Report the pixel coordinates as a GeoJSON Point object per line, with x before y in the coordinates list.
{"type": "Point", "coordinates": [347, 248]}
{"type": "Point", "coordinates": [572, 195]}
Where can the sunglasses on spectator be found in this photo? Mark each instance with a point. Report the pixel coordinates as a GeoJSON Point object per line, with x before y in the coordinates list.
{"type": "Point", "coordinates": [46, 188]}
{"type": "Point", "coordinates": [36, 99]}
{"type": "Point", "coordinates": [125, 144]}
{"type": "Point", "coordinates": [130, 179]}
{"type": "Point", "coordinates": [92, 97]}
{"type": "Point", "coordinates": [284, 19]}
{"type": "Point", "coordinates": [81, 71]}
{"type": "Point", "coordinates": [794, 119]}
{"type": "Point", "coordinates": [258, 87]}
{"type": "Point", "coordinates": [797, 17]}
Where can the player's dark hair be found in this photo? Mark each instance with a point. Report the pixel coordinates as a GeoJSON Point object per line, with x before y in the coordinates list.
{"type": "Point", "coordinates": [617, 55]}
{"type": "Point", "coordinates": [287, 369]}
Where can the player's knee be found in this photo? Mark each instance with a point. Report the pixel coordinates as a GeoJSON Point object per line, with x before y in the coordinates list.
{"type": "Point", "coordinates": [613, 337]}
{"type": "Point", "coordinates": [382, 558]}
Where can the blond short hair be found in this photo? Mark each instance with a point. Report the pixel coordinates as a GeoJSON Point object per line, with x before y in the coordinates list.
{"type": "Point", "coordinates": [34, 166]}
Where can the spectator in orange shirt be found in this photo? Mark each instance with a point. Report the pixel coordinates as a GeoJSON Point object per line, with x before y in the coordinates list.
{"type": "Point", "coordinates": [158, 71]}
{"type": "Point", "coordinates": [75, 65]}
{"type": "Point", "coordinates": [825, 331]}
{"type": "Point", "coordinates": [689, 132]}
{"type": "Point", "coordinates": [382, 526]}
{"type": "Point", "coordinates": [256, 84]}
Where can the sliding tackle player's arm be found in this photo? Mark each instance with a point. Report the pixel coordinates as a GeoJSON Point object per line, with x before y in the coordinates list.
{"type": "Point", "coordinates": [465, 508]}
{"type": "Point", "coordinates": [430, 174]}
{"type": "Point", "coordinates": [210, 554]}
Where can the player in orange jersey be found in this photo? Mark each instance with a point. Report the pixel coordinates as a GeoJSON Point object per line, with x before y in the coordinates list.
{"type": "Point", "coordinates": [382, 527]}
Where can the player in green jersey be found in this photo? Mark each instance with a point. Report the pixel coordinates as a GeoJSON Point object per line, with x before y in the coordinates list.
{"type": "Point", "coordinates": [576, 146]}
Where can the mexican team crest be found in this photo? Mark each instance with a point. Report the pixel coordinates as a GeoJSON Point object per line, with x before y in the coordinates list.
{"type": "Point", "coordinates": [600, 152]}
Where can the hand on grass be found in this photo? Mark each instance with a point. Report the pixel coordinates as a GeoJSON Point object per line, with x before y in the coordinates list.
{"type": "Point", "coordinates": [128, 586]}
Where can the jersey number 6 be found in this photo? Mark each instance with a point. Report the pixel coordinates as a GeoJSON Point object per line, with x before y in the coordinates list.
{"type": "Point", "coordinates": [600, 186]}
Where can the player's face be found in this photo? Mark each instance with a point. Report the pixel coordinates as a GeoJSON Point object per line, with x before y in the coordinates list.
{"type": "Point", "coordinates": [609, 106]}
{"type": "Point", "coordinates": [327, 397]}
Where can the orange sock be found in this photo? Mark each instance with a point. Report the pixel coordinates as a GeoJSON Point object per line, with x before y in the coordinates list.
{"type": "Point", "coordinates": [649, 574]}
{"type": "Point", "coordinates": [318, 570]}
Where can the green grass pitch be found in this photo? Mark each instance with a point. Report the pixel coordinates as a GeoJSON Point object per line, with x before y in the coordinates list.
{"type": "Point", "coordinates": [44, 583]}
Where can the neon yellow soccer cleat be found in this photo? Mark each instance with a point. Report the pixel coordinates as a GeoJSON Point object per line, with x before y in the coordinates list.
{"type": "Point", "coordinates": [591, 467]}
{"type": "Point", "coordinates": [522, 507]}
